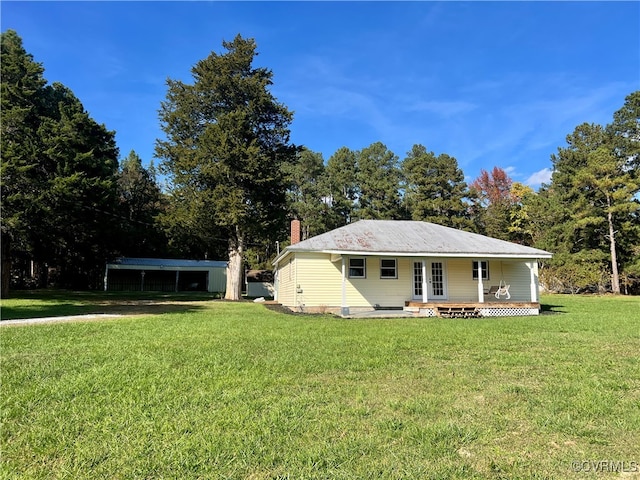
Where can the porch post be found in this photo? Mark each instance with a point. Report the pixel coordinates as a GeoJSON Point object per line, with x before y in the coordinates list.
{"type": "Point", "coordinates": [425, 293]}
{"type": "Point", "coordinates": [345, 307]}
{"type": "Point", "coordinates": [177, 279]}
{"type": "Point", "coordinates": [534, 285]}
{"type": "Point", "coordinates": [480, 284]}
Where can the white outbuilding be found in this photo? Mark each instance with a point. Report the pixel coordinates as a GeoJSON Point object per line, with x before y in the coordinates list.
{"type": "Point", "coordinates": [165, 275]}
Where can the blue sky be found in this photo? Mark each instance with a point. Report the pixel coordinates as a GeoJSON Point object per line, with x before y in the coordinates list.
{"type": "Point", "coordinates": [489, 83]}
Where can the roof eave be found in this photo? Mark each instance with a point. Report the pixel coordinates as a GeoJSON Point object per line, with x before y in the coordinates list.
{"type": "Point", "coordinates": [532, 255]}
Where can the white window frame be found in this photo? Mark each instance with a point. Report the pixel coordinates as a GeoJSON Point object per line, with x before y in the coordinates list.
{"type": "Point", "coordinates": [485, 269]}
{"type": "Point", "coordinates": [358, 267]}
{"type": "Point", "coordinates": [394, 268]}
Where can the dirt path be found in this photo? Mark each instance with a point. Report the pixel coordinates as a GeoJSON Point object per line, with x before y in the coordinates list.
{"type": "Point", "coordinates": [68, 318]}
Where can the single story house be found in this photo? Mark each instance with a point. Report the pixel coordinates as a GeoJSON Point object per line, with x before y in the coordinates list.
{"type": "Point", "coordinates": [422, 267]}
{"type": "Point", "coordinates": [165, 275]}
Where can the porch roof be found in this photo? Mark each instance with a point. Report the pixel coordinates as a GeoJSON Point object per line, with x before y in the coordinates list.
{"type": "Point", "coordinates": [410, 238]}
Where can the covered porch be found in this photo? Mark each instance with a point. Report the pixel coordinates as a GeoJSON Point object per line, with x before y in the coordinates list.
{"type": "Point", "coordinates": [445, 286]}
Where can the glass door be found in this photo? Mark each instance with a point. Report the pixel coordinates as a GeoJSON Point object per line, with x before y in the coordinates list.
{"type": "Point", "coordinates": [437, 281]}
{"type": "Point", "coordinates": [417, 280]}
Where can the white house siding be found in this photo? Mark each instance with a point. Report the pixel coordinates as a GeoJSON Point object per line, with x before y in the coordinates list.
{"type": "Point", "coordinates": [518, 275]}
{"type": "Point", "coordinates": [461, 286]}
{"type": "Point", "coordinates": [386, 292]}
{"type": "Point", "coordinates": [286, 281]}
{"type": "Point", "coordinates": [320, 283]}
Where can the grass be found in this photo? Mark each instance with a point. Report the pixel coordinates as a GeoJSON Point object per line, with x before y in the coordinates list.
{"type": "Point", "coordinates": [233, 390]}
{"type": "Point", "coordinates": [59, 303]}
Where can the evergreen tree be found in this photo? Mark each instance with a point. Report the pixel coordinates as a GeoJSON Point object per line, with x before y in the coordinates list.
{"type": "Point", "coordinates": [80, 159]}
{"type": "Point", "coordinates": [435, 190]}
{"type": "Point", "coordinates": [596, 180]}
{"type": "Point", "coordinates": [141, 202]}
{"type": "Point", "coordinates": [58, 175]}
{"type": "Point", "coordinates": [342, 186]}
{"type": "Point", "coordinates": [624, 132]}
{"type": "Point", "coordinates": [227, 140]}
{"type": "Point", "coordinates": [22, 84]}
{"type": "Point", "coordinates": [307, 192]}
{"type": "Point", "coordinates": [378, 177]}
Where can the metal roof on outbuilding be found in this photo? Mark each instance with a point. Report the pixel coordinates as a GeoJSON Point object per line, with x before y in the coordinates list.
{"type": "Point", "coordinates": [159, 263]}
{"type": "Point", "coordinates": [407, 237]}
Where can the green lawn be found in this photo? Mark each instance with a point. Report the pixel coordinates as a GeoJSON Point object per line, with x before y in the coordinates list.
{"type": "Point", "coordinates": [233, 390]}
{"type": "Point", "coordinates": [58, 303]}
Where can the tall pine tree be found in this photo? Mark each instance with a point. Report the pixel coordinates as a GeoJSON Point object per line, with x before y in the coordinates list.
{"type": "Point", "coordinates": [343, 189]}
{"type": "Point", "coordinates": [58, 175]}
{"type": "Point", "coordinates": [435, 190]}
{"type": "Point", "coordinates": [308, 193]}
{"type": "Point", "coordinates": [141, 203]}
{"type": "Point", "coordinates": [378, 177]}
{"type": "Point", "coordinates": [227, 138]}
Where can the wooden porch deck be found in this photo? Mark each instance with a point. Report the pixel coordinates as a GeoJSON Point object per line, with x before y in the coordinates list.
{"type": "Point", "coordinates": [457, 309]}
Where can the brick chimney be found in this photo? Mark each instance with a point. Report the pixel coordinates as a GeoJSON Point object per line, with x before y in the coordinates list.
{"type": "Point", "coordinates": [295, 231]}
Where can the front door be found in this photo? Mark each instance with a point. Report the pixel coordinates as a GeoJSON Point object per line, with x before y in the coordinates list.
{"type": "Point", "coordinates": [436, 281]}
{"type": "Point", "coordinates": [417, 281]}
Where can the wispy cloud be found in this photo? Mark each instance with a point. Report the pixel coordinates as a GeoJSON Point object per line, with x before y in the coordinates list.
{"type": "Point", "coordinates": [539, 177]}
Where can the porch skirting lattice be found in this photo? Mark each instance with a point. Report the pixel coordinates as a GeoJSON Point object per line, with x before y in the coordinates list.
{"type": "Point", "coordinates": [472, 309]}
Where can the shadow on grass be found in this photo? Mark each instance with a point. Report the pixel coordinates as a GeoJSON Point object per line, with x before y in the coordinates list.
{"type": "Point", "coordinates": [56, 303]}
{"type": "Point", "coordinates": [546, 309]}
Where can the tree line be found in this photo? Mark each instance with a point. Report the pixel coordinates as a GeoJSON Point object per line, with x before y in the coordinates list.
{"type": "Point", "coordinates": [234, 180]}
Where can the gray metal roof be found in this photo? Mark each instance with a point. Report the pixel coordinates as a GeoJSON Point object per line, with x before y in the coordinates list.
{"type": "Point", "coordinates": [405, 237]}
{"type": "Point", "coordinates": [167, 263]}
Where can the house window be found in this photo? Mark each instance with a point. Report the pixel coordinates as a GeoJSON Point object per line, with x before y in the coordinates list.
{"type": "Point", "coordinates": [388, 268]}
{"type": "Point", "coordinates": [485, 270]}
{"type": "Point", "coordinates": [357, 268]}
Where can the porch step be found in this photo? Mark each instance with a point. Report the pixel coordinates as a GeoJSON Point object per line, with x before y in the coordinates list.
{"type": "Point", "coordinates": [457, 312]}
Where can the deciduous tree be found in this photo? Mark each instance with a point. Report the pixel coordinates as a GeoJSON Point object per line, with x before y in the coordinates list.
{"type": "Point", "coordinates": [493, 192]}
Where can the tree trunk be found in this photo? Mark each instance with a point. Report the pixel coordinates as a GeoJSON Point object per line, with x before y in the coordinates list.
{"type": "Point", "coordinates": [615, 277]}
{"type": "Point", "coordinates": [234, 268]}
{"type": "Point", "coordinates": [6, 265]}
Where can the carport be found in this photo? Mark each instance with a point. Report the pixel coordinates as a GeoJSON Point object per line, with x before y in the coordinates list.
{"type": "Point", "coordinates": [165, 275]}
